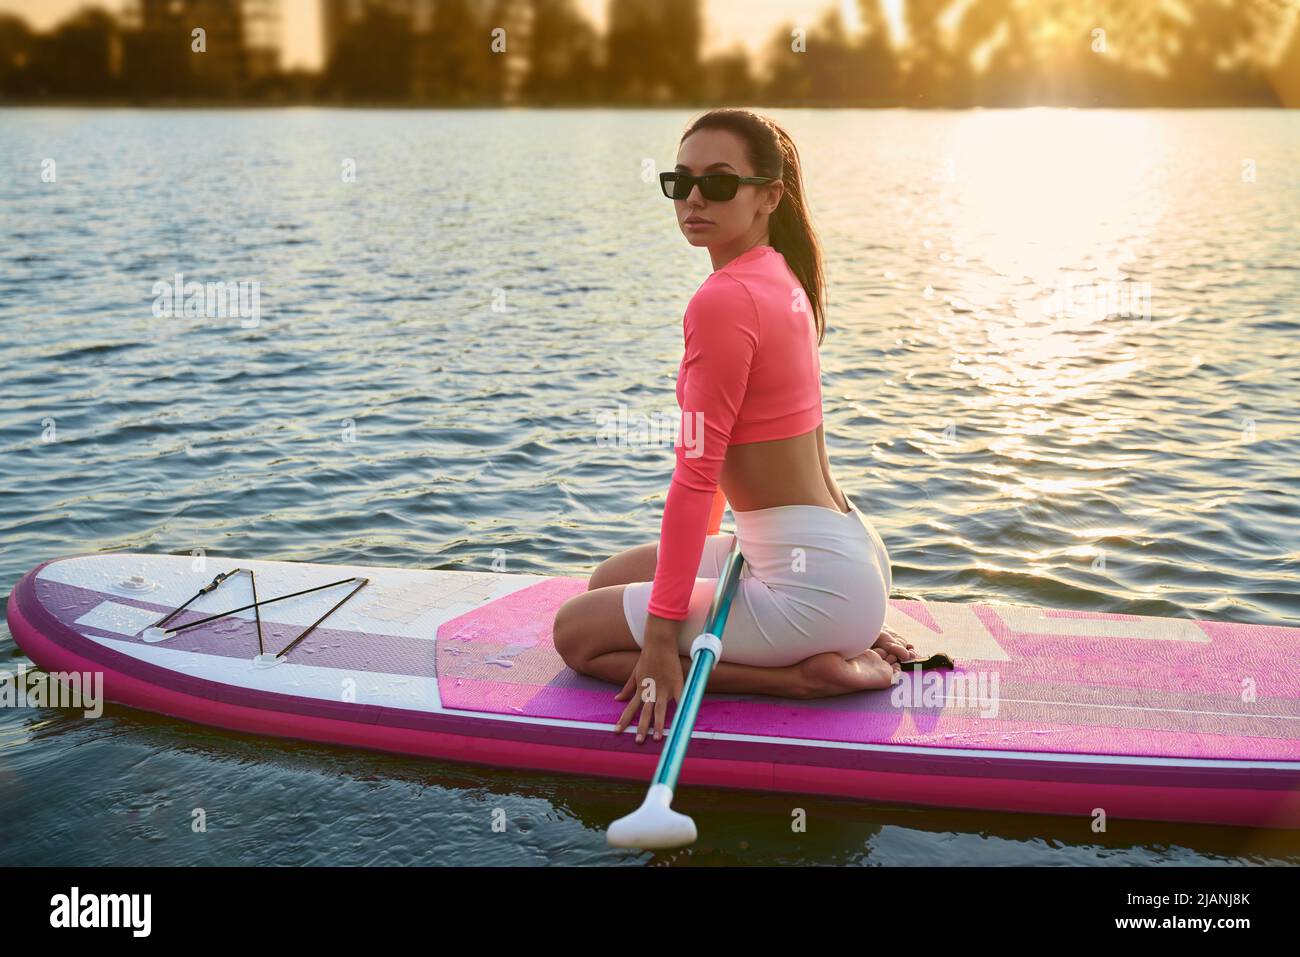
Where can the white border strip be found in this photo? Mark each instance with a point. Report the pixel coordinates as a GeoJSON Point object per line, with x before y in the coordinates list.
{"type": "Point", "coordinates": [973, 753]}
{"type": "Point", "coordinates": [304, 681]}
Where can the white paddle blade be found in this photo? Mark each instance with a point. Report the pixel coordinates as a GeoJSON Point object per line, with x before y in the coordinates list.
{"type": "Point", "coordinates": [654, 825]}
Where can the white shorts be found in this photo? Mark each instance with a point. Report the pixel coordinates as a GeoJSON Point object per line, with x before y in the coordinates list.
{"type": "Point", "coordinates": [815, 579]}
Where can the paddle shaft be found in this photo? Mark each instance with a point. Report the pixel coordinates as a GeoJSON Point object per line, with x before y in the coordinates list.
{"type": "Point", "coordinates": [679, 735]}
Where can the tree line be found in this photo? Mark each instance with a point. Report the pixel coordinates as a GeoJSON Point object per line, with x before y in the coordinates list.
{"type": "Point", "coordinates": [953, 53]}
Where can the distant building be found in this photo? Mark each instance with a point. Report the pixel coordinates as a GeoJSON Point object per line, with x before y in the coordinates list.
{"type": "Point", "coordinates": [263, 40]}
{"type": "Point", "coordinates": [427, 50]}
{"type": "Point", "coordinates": [653, 49]}
{"type": "Point", "coordinates": [1286, 74]}
{"type": "Point", "coordinates": [340, 16]}
{"type": "Point", "coordinates": [241, 38]}
{"type": "Point", "coordinates": [337, 17]}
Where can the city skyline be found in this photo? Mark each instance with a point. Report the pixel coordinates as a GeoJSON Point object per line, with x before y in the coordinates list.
{"type": "Point", "coordinates": [952, 54]}
{"type": "Point", "coordinates": [747, 22]}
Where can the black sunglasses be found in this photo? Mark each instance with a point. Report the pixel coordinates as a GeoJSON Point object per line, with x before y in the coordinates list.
{"type": "Point", "coordinates": [713, 186]}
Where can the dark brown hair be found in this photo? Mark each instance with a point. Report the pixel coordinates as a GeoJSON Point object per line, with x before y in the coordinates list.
{"type": "Point", "coordinates": [772, 153]}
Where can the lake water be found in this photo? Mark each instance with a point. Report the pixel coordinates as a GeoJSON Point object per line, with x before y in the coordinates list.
{"type": "Point", "coordinates": [1061, 369]}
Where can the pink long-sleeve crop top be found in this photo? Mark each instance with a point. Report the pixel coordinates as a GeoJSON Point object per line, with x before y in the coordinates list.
{"type": "Point", "coordinates": [750, 373]}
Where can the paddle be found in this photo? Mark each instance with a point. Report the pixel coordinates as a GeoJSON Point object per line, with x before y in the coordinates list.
{"type": "Point", "coordinates": [655, 824]}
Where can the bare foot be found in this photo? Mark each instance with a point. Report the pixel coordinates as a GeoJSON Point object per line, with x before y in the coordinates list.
{"type": "Point", "coordinates": [830, 673]}
{"type": "Point", "coordinates": [892, 648]}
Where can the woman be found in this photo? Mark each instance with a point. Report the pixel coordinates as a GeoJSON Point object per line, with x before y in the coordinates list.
{"type": "Point", "coordinates": [812, 594]}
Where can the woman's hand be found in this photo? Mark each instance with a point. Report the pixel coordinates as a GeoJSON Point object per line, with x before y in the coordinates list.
{"type": "Point", "coordinates": [661, 666]}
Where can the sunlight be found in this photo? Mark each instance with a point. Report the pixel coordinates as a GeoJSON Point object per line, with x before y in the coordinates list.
{"type": "Point", "coordinates": [893, 10]}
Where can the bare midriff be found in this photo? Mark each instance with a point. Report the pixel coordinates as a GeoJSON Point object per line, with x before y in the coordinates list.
{"type": "Point", "coordinates": [793, 471]}
{"type": "Point", "coordinates": [749, 388]}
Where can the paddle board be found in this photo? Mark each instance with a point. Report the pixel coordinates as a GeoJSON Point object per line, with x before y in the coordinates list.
{"type": "Point", "coordinates": [1047, 711]}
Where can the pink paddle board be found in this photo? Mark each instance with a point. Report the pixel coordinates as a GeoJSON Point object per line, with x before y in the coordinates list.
{"type": "Point", "coordinates": [1048, 711]}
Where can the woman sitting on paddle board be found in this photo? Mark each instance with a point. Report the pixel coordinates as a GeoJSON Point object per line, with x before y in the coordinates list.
{"type": "Point", "coordinates": [812, 594]}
